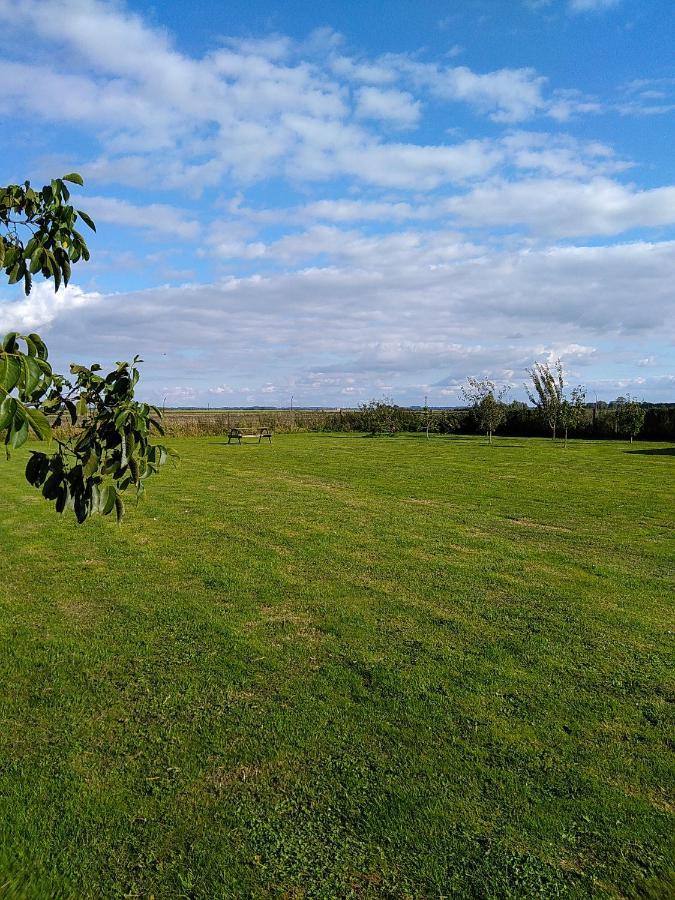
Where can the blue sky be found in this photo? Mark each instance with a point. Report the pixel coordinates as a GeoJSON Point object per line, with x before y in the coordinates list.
{"type": "Point", "coordinates": [347, 200]}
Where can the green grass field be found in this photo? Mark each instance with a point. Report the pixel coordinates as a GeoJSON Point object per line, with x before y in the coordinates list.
{"type": "Point", "coordinates": [344, 667]}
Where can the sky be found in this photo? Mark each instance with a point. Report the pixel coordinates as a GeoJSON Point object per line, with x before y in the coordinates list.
{"type": "Point", "coordinates": [343, 200]}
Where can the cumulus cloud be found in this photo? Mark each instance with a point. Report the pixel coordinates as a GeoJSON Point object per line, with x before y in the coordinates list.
{"type": "Point", "coordinates": [43, 306]}
{"type": "Point", "coordinates": [412, 318]}
{"type": "Point", "coordinates": [158, 218]}
{"type": "Point", "coordinates": [357, 258]}
{"type": "Point", "coordinates": [564, 208]}
{"type": "Point", "coordinates": [249, 108]}
{"type": "Point", "coordinates": [398, 107]}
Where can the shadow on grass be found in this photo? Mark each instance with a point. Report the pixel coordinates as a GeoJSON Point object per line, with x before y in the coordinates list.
{"type": "Point", "coordinates": [656, 451]}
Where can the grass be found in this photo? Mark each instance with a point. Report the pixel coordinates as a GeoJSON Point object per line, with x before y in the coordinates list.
{"type": "Point", "coordinates": [344, 667]}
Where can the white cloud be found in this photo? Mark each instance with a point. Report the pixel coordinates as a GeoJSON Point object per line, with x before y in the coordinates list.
{"type": "Point", "coordinates": [488, 311]}
{"type": "Point", "coordinates": [396, 107]}
{"type": "Point", "coordinates": [158, 218]}
{"type": "Point", "coordinates": [250, 109]}
{"type": "Point", "coordinates": [581, 6]}
{"type": "Point", "coordinates": [564, 208]}
{"type": "Point", "coordinates": [369, 73]}
{"type": "Point", "coordinates": [506, 95]}
{"type": "Point", "coordinates": [336, 306]}
{"type": "Point", "coordinates": [43, 306]}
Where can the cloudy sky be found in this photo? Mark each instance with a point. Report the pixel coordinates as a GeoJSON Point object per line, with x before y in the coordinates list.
{"type": "Point", "coordinates": [353, 198]}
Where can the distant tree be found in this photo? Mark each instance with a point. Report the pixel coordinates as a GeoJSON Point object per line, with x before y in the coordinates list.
{"type": "Point", "coordinates": [487, 403]}
{"type": "Point", "coordinates": [573, 409]}
{"type": "Point", "coordinates": [629, 416]}
{"type": "Point", "coordinates": [107, 448]}
{"type": "Point", "coordinates": [547, 392]}
{"type": "Point", "coordinates": [426, 418]}
{"type": "Point", "coordinates": [380, 416]}
{"type": "Point", "coordinates": [446, 422]}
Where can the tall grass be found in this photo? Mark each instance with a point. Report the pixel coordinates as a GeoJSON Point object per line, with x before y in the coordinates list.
{"type": "Point", "coordinates": [195, 424]}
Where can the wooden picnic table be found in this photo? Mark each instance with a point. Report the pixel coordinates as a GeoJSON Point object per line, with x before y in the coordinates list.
{"type": "Point", "coordinates": [236, 434]}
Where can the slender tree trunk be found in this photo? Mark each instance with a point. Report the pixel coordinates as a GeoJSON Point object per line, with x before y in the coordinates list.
{"type": "Point", "coordinates": [631, 438]}
{"type": "Point", "coordinates": [565, 437]}
{"type": "Point", "coordinates": [489, 436]}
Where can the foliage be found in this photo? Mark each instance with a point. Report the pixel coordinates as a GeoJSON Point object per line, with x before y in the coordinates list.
{"type": "Point", "coordinates": [573, 409]}
{"type": "Point", "coordinates": [381, 416]}
{"type": "Point", "coordinates": [108, 452]}
{"type": "Point", "coordinates": [38, 234]}
{"type": "Point", "coordinates": [596, 421]}
{"type": "Point", "coordinates": [486, 402]}
{"type": "Point", "coordinates": [299, 667]}
{"type": "Point", "coordinates": [426, 418]}
{"type": "Point", "coordinates": [548, 391]}
{"type": "Point", "coordinates": [446, 422]}
{"type": "Point", "coordinates": [629, 416]}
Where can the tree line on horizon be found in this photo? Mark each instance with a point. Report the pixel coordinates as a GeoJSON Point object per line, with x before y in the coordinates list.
{"type": "Point", "coordinates": [555, 409]}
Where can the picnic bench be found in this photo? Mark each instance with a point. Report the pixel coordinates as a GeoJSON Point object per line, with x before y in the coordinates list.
{"type": "Point", "coordinates": [236, 434]}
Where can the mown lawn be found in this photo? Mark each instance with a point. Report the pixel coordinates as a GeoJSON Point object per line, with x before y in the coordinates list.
{"type": "Point", "coordinates": [341, 666]}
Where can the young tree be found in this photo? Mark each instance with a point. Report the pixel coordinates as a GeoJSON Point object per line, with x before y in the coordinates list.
{"type": "Point", "coordinates": [487, 404]}
{"type": "Point", "coordinates": [426, 418]}
{"type": "Point", "coordinates": [629, 416]}
{"type": "Point", "coordinates": [573, 410]}
{"type": "Point", "coordinates": [110, 450]}
{"type": "Point", "coordinates": [547, 392]}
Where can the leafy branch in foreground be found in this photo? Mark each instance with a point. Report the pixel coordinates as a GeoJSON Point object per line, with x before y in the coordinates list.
{"type": "Point", "coordinates": [108, 450]}
{"type": "Point", "coordinates": [38, 233]}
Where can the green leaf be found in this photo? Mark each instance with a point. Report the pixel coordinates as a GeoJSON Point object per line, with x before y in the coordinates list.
{"type": "Point", "coordinates": [51, 486]}
{"type": "Point", "coordinates": [107, 501]}
{"type": "Point", "coordinates": [61, 498]}
{"type": "Point", "coordinates": [32, 374]}
{"type": "Point", "coordinates": [74, 178]}
{"type": "Point", "coordinates": [36, 261]}
{"type": "Point", "coordinates": [90, 465]}
{"type": "Point", "coordinates": [10, 372]}
{"type": "Point", "coordinates": [40, 345]}
{"type": "Point", "coordinates": [18, 433]}
{"type": "Point", "coordinates": [15, 274]}
{"type": "Point", "coordinates": [86, 219]}
{"type": "Point", "coordinates": [39, 423]}
{"type": "Point", "coordinates": [7, 410]}
{"type": "Point", "coordinates": [119, 507]}
{"type": "Point", "coordinates": [81, 508]}
{"type": "Point", "coordinates": [36, 469]}
{"type": "Point", "coordinates": [72, 411]}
